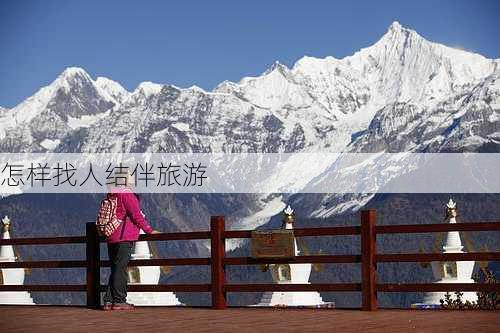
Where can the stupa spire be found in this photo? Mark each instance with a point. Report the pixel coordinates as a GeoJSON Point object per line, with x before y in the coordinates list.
{"type": "Point", "coordinates": [450, 271]}
{"type": "Point", "coordinates": [290, 274]}
{"type": "Point", "coordinates": [453, 241]}
{"type": "Point", "coordinates": [147, 275]}
{"type": "Point", "coordinates": [7, 251]}
{"type": "Point", "coordinates": [14, 276]}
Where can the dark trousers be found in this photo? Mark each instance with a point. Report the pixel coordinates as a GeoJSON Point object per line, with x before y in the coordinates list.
{"type": "Point", "coordinates": [119, 256]}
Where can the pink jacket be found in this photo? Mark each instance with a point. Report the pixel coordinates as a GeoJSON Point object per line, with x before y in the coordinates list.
{"type": "Point", "coordinates": [129, 212]}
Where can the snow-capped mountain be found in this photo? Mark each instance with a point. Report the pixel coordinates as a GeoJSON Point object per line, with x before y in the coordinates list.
{"type": "Point", "coordinates": [38, 124]}
{"type": "Point", "coordinates": [403, 93]}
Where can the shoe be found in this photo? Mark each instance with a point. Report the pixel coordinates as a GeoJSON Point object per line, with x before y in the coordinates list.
{"type": "Point", "coordinates": [107, 306]}
{"type": "Point", "coordinates": [122, 306]}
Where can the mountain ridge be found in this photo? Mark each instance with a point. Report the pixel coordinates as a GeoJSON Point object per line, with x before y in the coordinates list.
{"type": "Point", "coordinates": [403, 93]}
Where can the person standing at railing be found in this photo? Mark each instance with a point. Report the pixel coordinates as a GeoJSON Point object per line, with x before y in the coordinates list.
{"type": "Point", "coordinates": [120, 244]}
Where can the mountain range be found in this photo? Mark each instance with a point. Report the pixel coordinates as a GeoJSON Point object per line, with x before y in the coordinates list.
{"type": "Point", "coordinates": [432, 96]}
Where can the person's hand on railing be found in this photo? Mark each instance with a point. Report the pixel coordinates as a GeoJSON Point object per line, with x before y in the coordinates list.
{"type": "Point", "coordinates": [156, 232]}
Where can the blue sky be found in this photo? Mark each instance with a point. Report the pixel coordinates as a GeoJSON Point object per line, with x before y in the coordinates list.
{"type": "Point", "coordinates": [205, 42]}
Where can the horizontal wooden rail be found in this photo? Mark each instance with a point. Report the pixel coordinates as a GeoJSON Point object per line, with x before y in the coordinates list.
{"type": "Point", "coordinates": [442, 227]}
{"type": "Point", "coordinates": [44, 240]}
{"type": "Point", "coordinates": [43, 287]}
{"type": "Point", "coordinates": [104, 263]}
{"type": "Point", "coordinates": [302, 232]}
{"type": "Point", "coordinates": [424, 257]}
{"type": "Point", "coordinates": [164, 262]}
{"type": "Point", "coordinates": [131, 287]}
{"type": "Point", "coordinates": [44, 264]}
{"type": "Point", "coordinates": [432, 287]}
{"type": "Point", "coordinates": [167, 287]}
{"type": "Point", "coordinates": [260, 287]}
{"type": "Point", "coordinates": [317, 259]}
{"type": "Point", "coordinates": [383, 287]}
{"type": "Point", "coordinates": [168, 236]}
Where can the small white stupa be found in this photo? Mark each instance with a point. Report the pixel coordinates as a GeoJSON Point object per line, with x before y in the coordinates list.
{"type": "Point", "coordinates": [147, 275]}
{"type": "Point", "coordinates": [12, 276]}
{"type": "Point", "coordinates": [291, 274]}
{"type": "Point", "coordinates": [451, 271]}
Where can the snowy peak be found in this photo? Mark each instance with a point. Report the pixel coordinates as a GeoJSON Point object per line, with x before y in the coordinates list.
{"type": "Point", "coordinates": [41, 121]}
{"type": "Point", "coordinates": [279, 67]}
{"type": "Point", "coordinates": [225, 87]}
{"type": "Point", "coordinates": [75, 94]}
{"type": "Point", "coordinates": [148, 88]}
{"type": "Point", "coordinates": [71, 72]}
{"type": "Point", "coordinates": [403, 66]}
{"type": "Point", "coordinates": [335, 85]}
{"type": "Point", "coordinates": [113, 89]}
{"type": "Point", "coordinates": [70, 79]}
{"type": "Point", "coordinates": [72, 76]}
{"type": "Point", "coordinates": [396, 30]}
{"type": "Point", "coordinates": [399, 40]}
{"type": "Point", "coordinates": [75, 81]}
{"type": "Point", "coordinates": [275, 89]}
{"type": "Point", "coordinates": [395, 26]}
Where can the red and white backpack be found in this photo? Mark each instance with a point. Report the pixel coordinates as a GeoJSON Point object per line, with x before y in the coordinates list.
{"type": "Point", "coordinates": [106, 221]}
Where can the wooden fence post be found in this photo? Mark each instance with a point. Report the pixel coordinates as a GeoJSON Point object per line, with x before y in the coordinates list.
{"type": "Point", "coordinates": [218, 251]}
{"type": "Point", "coordinates": [368, 260]}
{"type": "Point", "coordinates": [93, 266]}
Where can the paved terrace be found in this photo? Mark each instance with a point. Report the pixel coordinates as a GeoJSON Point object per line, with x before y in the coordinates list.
{"type": "Point", "coordinates": [164, 319]}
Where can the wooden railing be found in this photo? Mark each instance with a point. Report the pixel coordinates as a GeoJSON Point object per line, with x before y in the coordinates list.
{"type": "Point", "coordinates": [368, 258]}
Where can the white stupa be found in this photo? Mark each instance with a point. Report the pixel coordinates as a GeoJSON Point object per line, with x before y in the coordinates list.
{"type": "Point", "coordinates": [13, 276]}
{"type": "Point", "coordinates": [147, 275]}
{"type": "Point", "coordinates": [291, 274]}
{"type": "Point", "coordinates": [451, 271]}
